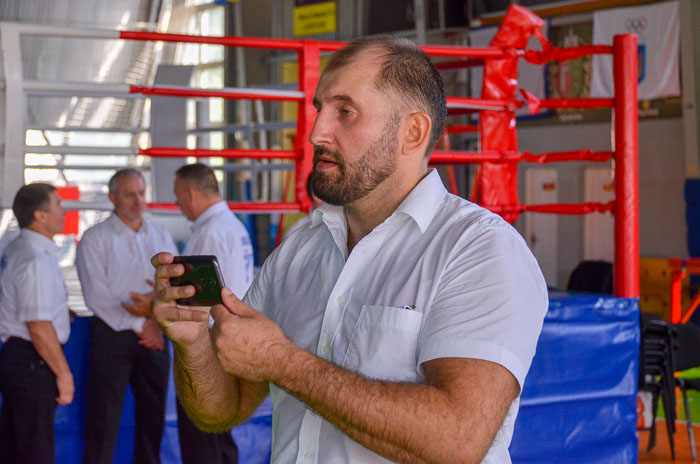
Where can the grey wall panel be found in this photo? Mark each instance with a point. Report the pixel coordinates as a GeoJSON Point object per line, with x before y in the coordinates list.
{"type": "Point", "coordinates": [168, 129]}
{"type": "Point", "coordinates": [661, 177]}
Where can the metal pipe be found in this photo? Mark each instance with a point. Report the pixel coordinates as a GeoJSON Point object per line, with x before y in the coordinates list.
{"type": "Point", "coordinates": [91, 89]}
{"type": "Point", "coordinates": [125, 130]}
{"type": "Point", "coordinates": [419, 17]}
{"type": "Point", "coordinates": [65, 150]}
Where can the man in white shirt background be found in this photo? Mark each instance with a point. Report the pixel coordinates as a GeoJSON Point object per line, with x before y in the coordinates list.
{"type": "Point", "coordinates": [215, 231]}
{"type": "Point", "coordinates": [34, 324]}
{"type": "Point", "coordinates": [112, 261]}
{"type": "Point", "coordinates": [400, 325]}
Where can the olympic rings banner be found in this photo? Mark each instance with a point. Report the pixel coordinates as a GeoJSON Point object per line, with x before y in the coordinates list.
{"type": "Point", "coordinates": [658, 30]}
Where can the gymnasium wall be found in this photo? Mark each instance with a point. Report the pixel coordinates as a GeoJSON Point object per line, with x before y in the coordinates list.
{"type": "Point", "coordinates": [662, 227]}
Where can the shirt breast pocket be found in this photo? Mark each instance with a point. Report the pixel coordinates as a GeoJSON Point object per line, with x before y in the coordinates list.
{"type": "Point", "coordinates": [383, 344]}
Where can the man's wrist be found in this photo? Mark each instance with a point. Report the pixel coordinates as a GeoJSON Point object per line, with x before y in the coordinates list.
{"type": "Point", "coordinates": [282, 360]}
{"type": "Point", "coordinates": [67, 374]}
{"type": "Point", "coordinates": [201, 345]}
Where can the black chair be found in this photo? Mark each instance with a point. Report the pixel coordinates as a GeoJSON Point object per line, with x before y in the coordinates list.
{"type": "Point", "coordinates": [656, 360]}
{"type": "Point", "coordinates": [592, 276]}
{"type": "Point", "coordinates": [686, 356]}
{"type": "Point", "coordinates": [666, 349]}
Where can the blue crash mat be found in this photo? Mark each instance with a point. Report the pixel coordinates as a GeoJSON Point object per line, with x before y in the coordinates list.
{"type": "Point", "coordinates": [579, 400]}
{"type": "Point", "coordinates": [578, 404]}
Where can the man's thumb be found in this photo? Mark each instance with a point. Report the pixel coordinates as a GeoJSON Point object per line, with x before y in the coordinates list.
{"type": "Point", "coordinates": [233, 304]}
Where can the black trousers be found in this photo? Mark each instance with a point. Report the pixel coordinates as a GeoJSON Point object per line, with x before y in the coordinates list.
{"type": "Point", "coordinates": [29, 395]}
{"type": "Point", "coordinates": [197, 447]}
{"type": "Point", "coordinates": [116, 359]}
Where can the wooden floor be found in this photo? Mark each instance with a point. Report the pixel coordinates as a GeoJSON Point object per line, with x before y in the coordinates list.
{"type": "Point", "coordinates": [661, 453]}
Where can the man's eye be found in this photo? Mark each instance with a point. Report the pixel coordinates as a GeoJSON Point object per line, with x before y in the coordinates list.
{"type": "Point", "coordinates": [346, 112]}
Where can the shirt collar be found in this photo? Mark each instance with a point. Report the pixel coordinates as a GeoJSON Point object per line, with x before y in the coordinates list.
{"type": "Point", "coordinates": [424, 200]}
{"type": "Point", "coordinates": [330, 214]}
{"type": "Point", "coordinates": [214, 210]}
{"type": "Point", "coordinates": [40, 241]}
{"type": "Point", "coordinates": [120, 227]}
{"type": "Point", "coordinates": [420, 205]}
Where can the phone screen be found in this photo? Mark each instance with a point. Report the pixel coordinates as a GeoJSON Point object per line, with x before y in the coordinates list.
{"type": "Point", "coordinates": [204, 274]}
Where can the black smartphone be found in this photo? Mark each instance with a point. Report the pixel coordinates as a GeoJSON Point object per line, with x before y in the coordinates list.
{"type": "Point", "coordinates": [204, 274]}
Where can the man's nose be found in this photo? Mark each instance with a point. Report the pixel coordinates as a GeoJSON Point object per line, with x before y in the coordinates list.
{"type": "Point", "coordinates": [321, 134]}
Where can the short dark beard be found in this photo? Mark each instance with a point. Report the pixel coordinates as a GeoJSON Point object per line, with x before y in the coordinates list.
{"type": "Point", "coordinates": [357, 178]}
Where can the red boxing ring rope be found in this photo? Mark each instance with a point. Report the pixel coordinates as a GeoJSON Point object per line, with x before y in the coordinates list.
{"type": "Point", "coordinates": [247, 206]}
{"type": "Point", "coordinates": [229, 153]}
{"type": "Point", "coordinates": [557, 208]}
{"type": "Point", "coordinates": [461, 128]}
{"type": "Point", "coordinates": [497, 156]}
{"type": "Point", "coordinates": [222, 93]}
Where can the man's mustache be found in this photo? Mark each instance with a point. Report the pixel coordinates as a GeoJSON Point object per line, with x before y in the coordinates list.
{"type": "Point", "coordinates": [325, 151]}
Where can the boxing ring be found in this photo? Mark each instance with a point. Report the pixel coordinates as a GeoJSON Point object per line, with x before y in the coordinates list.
{"type": "Point", "coordinates": [579, 401]}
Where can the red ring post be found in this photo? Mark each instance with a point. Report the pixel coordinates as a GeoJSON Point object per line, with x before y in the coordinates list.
{"type": "Point", "coordinates": [309, 73]}
{"type": "Point", "coordinates": [626, 277]}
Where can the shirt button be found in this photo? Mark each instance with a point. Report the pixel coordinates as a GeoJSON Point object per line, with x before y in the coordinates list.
{"type": "Point", "coordinates": [324, 350]}
{"type": "Point", "coordinates": [307, 455]}
{"type": "Point", "coordinates": [341, 298]}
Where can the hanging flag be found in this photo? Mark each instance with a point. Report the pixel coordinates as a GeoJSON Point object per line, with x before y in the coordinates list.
{"type": "Point", "coordinates": [570, 78]}
{"type": "Point", "coordinates": [530, 76]}
{"type": "Point", "coordinates": [658, 31]}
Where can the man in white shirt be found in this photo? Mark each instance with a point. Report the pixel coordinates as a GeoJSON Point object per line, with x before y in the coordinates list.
{"type": "Point", "coordinates": [34, 324]}
{"type": "Point", "coordinates": [401, 324]}
{"type": "Point", "coordinates": [113, 267]}
{"type": "Point", "coordinates": [215, 231]}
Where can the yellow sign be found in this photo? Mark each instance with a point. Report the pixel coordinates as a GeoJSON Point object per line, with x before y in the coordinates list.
{"type": "Point", "coordinates": [315, 18]}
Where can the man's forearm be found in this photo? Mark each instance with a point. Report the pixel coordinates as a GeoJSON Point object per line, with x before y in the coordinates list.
{"type": "Point", "coordinates": [209, 395]}
{"type": "Point", "coordinates": [406, 422]}
{"type": "Point", "coordinates": [46, 343]}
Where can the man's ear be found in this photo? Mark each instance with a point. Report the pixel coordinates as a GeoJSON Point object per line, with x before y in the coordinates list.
{"type": "Point", "coordinates": [417, 133]}
{"type": "Point", "coordinates": [191, 193]}
{"type": "Point", "coordinates": [39, 217]}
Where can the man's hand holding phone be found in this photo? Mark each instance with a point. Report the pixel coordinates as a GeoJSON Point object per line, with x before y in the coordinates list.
{"type": "Point", "coordinates": [183, 324]}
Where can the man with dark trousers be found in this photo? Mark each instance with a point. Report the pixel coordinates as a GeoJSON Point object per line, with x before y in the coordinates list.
{"type": "Point", "coordinates": [114, 271]}
{"type": "Point", "coordinates": [215, 231]}
{"type": "Point", "coordinates": [34, 324]}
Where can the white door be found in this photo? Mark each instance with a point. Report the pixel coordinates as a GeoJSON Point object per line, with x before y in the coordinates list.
{"type": "Point", "coordinates": [598, 229]}
{"type": "Point", "coordinates": [541, 187]}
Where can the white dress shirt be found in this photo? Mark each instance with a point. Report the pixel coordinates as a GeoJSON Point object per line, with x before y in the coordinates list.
{"type": "Point", "coordinates": [301, 223]}
{"type": "Point", "coordinates": [441, 277]}
{"type": "Point", "coordinates": [32, 287]}
{"type": "Point", "coordinates": [114, 260]}
{"type": "Point", "coordinates": [217, 231]}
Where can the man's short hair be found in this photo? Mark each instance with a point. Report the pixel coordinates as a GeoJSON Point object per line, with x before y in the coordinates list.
{"type": "Point", "coordinates": [406, 70]}
{"type": "Point", "coordinates": [200, 176]}
{"type": "Point", "coordinates": [125, 173]}
{"type": "Point", "coordinates": [29, 199]}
